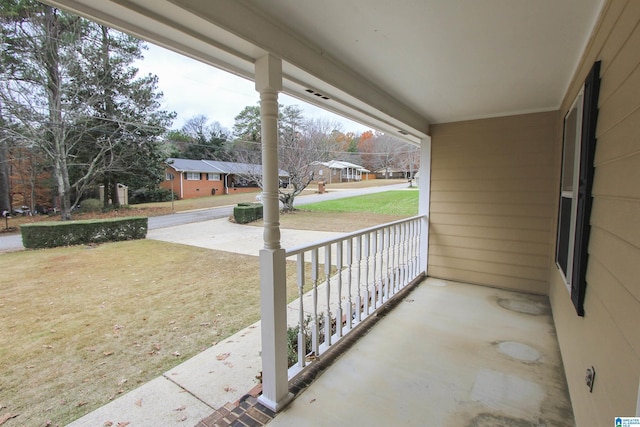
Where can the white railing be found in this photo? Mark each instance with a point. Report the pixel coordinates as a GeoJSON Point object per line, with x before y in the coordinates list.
{"type": "Point", "coordinates": [343, 281]}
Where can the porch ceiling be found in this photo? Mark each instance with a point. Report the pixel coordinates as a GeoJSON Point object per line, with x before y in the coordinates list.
{"type": "Point", "coordinates": [396, 66]}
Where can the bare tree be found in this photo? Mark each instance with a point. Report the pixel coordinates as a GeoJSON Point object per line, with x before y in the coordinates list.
{"type": "Point", "coordinates": [385, 152]}
{"type": "Point", "coordinates": [409, 160]}
{"type": "Point", "coordinates": [301, 143]}
{"type": "Point", "coordinates": [202, 140]}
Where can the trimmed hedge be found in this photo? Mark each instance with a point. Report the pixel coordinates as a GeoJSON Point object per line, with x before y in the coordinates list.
{"type": "Point", "coordinates": [65, 233]}
{"type": "Point", "coordinates": [247, 212]}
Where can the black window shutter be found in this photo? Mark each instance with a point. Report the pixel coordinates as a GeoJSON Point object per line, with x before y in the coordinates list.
{"type": "Point", "coordinates": [585, 184]}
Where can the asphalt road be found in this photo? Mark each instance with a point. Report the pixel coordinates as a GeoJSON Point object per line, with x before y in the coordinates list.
{"type": "Point", "coordinates": [13, 242]}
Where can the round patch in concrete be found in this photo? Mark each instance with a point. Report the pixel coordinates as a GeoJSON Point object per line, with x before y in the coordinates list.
{"type": "Point", "coordinates": [519, 351]}
{"type": "Point", "coordinates": [436, 282]}
{"type": "Point", "coordinates": [524, 306]}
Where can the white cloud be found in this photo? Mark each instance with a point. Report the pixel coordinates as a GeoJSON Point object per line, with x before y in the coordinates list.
{"type": "Point", "coordinates": [192, 88]}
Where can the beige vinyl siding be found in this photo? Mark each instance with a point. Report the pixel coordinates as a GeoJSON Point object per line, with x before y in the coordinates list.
{"type": "Point", "coordinates": [493, 201]}
{"type": "Point", "coordinates": [608, 336]}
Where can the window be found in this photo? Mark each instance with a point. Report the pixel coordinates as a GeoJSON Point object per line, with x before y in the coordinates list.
{"type": "Point", "coordinates": [193, 176]}
{"type": "Point", "coordinates": [168, 176]}
{"type": "Point", "coordinates": [569, 189]}
{"type": "Point", "coordinates": [213, 177]}
{"type": "Point", "coordinates": [575, 199]}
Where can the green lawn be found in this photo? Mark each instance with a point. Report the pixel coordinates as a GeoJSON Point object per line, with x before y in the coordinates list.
{"type": "Point", "coordinates": [397, 202]}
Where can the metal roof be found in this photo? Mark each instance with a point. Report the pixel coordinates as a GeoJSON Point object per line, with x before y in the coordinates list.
{"type": "Point", "coordinates": [216, 166]}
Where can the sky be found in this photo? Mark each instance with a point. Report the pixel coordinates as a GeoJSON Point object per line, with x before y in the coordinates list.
{"type": "Point", "coordinates": [192, 88]}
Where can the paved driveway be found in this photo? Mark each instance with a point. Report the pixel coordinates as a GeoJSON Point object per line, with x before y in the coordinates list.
{"type": "Point", "coordinates": [223, 235]}
{"type": "Point", "coordinates": [11, 242]}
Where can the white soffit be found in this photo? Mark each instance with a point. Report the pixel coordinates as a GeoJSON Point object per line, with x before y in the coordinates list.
{"type": "Point", "coordinates": [396, 65]}
{"type": "Point", "coordinates": [451, 60]}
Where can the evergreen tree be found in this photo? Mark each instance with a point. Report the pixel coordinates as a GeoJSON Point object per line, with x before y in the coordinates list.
{"type": "Point", "coordinates": [126, 122]}
{"type": "Point", "coordinates": [247, 133]}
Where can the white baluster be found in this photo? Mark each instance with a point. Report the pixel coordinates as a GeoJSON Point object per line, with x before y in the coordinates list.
{"type": "Point", "coordinates": [349, 274]}
{"type": "Point", "coordinates": [381, 287]}
{"type": "Point", "coordinates": [374, 255]}
{"type": "Point", "coordinates": [359, 279]}
{"type": "Point", "coordinates": [327, 317]}
{"type": "Point", "coordinates": [417, 247]}
{"type": "Point", "coordinates": [367, 252]}
{"type": "Point", "coordinates": [315, 327]}
{"type": "Point", "coordinates": [405, 250]}
{"type": "Point", "coordinates": [394, 260]}
{"type": "Point", "coordinates": [339, 296]}
{"type": "Point", "coordinates": [302, 350]}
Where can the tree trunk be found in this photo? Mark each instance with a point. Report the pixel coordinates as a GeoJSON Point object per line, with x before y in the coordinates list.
{"type": "Point", "coordinates": [106, 188]}
{"type": "Point", "coordinates": [115, 197]}
{"type": "Point", "coordinates": [5, 201]}
{"type": "Point", "coordinates": [54, 89]}
{"type": "Point", "coordinates": [111, 183]}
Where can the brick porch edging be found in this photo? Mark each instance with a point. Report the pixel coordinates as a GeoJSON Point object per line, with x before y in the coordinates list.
{"type": "Point", "coordinates": [247, 412]}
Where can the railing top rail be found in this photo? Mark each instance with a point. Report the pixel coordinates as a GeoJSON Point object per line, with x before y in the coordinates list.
{"type": "Point", "coordinates": [321, 243]}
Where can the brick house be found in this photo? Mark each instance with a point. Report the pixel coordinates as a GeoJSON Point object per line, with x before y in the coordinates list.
{"type": "Point", "coordinates": [198, 178]}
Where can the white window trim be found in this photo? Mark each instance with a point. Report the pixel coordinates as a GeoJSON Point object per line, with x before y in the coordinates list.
{"type": "Point", "coordinates": [213, 176]}
{"type": "Point", "coordinates": [578, 105]}
{"type": "Point", "coordinates": [193, 176]}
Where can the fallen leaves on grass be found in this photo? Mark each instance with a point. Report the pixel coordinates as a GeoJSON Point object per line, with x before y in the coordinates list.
{"type": "Point", "coordinates": [6, 417]}
{"type": "Point", "coordinates": [94, 352]}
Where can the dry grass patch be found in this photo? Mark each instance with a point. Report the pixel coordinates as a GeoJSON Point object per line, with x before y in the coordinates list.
{"type": "Point", "coordinates": [82, 325]}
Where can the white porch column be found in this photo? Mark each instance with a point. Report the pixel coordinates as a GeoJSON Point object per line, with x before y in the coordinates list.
{"type": "Point", "coordinates": [424, 188]}
{"type": "Point", "coordinates": [273, 292]}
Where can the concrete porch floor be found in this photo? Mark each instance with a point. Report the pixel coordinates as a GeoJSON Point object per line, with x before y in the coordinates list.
{"type": "Point", "coordinates": [450, 354]}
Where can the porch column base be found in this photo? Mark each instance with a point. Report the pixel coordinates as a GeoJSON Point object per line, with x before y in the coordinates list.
{"type": "Point", "coordinates": [273, 308]}
{"type": "Point", "coordinates": [276, 406]}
